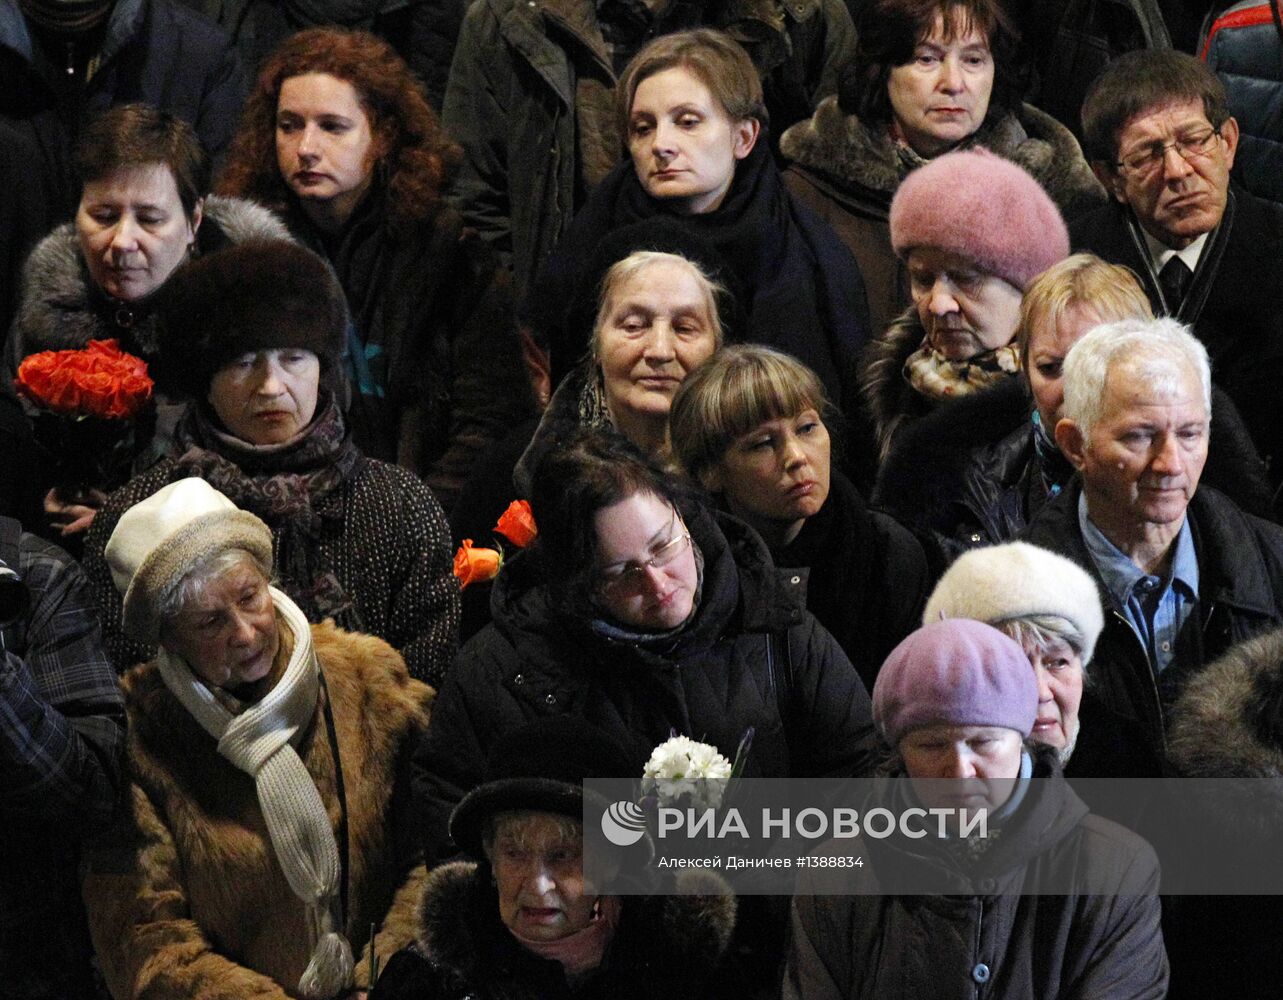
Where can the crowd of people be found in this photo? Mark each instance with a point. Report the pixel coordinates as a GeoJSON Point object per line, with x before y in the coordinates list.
{"type": "Point", "coordinates": [861, 423]}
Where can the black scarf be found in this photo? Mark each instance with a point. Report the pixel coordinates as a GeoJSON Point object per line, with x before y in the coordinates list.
{"type": "Point", "coordinates": [776, 257]}
{"type": "Point", "coordinates": [297, 488]}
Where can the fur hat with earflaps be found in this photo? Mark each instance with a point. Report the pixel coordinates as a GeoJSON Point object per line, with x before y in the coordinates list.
{"type": "Point", "coordinates": [258, 295]}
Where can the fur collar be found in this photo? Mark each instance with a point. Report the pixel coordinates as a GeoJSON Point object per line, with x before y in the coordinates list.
{"type": "Point", "coordinates": [691, 927]}
{"type": "Point", "coordinates": [843, 149]}
{"type": "Point", "coordinates": [59, 312]}
{"type": "Point", "coordinates": [932, 459]}
{"type": "Point", "coordinates": [1220, 726]}
{"type": "Point", "coordinates": [889, 397]}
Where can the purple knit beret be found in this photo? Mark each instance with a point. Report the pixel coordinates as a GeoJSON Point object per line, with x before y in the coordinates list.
{"type": "Point", "coordinates": [955, 672]}
{"type": "Point", "coordinates": [982, 207]}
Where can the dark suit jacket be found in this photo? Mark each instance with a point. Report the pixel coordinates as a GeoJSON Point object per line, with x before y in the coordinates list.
{"type": "Point", "coordinates": [1233, 303]}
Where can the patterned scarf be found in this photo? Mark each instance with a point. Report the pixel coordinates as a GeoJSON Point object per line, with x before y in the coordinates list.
{"type": "Point", "coordinates": [936, 377]}
{"type": "Point", "coordinates": [1054, 469]}
{"type": "Point", "coordinates": [297, 488]}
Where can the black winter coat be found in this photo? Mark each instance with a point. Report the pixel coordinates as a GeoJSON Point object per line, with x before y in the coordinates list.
{"type": "Point", "coordinates": [1226, 724]}
{"type": "Point", "coordinates": [442, 376]}
{"type": "Point", "coordinates": [665, 948]}
{"type": "Point", "coordinates": [1240, 564]}
{"type": "Point", "coordinates": [804, 294]}
{"type": "Point", "coordinates": [1231, 303]}
{"type": "Point", "coordinates": [984, 940]}
{"type": "Point", "coordinates": [969, 475]}
{"type": "Point", "coordinates": [867, 577]}
{"type": "Point", "coordinates": [1242, 47]}
{"type": "Point", "coordinates": [158, 52]}
{"type": "Point", "coordinates": [751, 656]}
{"type": "Point", "coordinates": [372, 553]}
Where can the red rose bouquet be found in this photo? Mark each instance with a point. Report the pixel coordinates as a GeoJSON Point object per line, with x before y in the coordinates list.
{"type": "Point", "coordinates": [93, 412]}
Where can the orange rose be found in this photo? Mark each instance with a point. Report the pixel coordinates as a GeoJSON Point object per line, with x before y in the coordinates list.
{"type": "Point", "coordinates": [476, 565]}
{"type": "Point", "coordinates": [518, 524]}
{"type": "Point", "coordinates": [99, 380]}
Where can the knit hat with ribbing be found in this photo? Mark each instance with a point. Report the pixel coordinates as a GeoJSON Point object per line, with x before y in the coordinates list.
{"type": "Point", "coordinates": [160, 540]}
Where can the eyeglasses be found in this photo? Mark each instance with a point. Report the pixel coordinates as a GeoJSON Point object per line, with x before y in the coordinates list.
{"type": "Point", "coordinates": [631, 577]}
{"type": "Point", "coordinates": [1194, 144]}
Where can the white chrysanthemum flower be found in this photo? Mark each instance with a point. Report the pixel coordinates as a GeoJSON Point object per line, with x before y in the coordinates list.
{"type": "Point", "coordinates": [682, 769]}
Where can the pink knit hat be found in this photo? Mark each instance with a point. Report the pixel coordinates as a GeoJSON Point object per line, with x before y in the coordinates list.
{"type": "Point", "coordinates": [982, 207]}
{"type": "Point", "coordinates": [955, 672]}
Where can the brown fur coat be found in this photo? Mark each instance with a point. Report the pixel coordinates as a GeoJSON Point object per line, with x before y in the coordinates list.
{"type": "Point", "coordinates": [188, 900]}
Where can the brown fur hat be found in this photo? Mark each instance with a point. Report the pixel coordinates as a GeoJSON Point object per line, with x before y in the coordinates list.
{"type": "Point", "coordinates": [258, 295]}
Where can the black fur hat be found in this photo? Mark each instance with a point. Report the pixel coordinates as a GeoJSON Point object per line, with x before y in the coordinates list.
{"type": "Point", "coordinates": [258, 295]}
{"type": "Point", "coordinates": [539, 766]}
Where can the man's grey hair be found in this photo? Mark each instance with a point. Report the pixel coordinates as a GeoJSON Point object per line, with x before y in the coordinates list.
{"type": "Point", "coordinates": [1161, 351]}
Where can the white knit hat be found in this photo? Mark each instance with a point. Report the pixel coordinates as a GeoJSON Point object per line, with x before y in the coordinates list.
{"type": "Point", "coordinates": [1018, 580]}
{"type": "Point", "coordinates": [160, 540]}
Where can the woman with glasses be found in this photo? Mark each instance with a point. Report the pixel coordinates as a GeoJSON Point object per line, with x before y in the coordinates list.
{"type": "Point", "coordinates": [643, 612]}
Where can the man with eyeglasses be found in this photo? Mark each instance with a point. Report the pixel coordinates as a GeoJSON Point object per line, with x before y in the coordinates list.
{"type": "Point", "coordinates": [1159, 135]}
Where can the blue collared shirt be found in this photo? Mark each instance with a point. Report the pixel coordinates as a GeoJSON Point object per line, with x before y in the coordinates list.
{"type": "Point", "coordinates": [1156, 608]}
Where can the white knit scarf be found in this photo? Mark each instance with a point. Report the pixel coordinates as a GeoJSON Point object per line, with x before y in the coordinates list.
{"type": "Point", "coordinates": [260, 742]}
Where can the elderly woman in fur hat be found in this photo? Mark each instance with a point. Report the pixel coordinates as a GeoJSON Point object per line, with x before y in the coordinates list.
{"type": "Point", "coordinates": [929, 77]}
{"type": "Point", "coordinates": [973, 230]}
{"type": "Point", "coordinates": [517, 920]}
{"type": "Point", "coordinates": [254, 336]}
{"type": "Point", "coordinates": [266, 834]}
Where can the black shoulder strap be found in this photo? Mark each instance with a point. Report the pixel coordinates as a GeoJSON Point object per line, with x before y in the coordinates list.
{"type": "Point", "coordinates": [779, 667]}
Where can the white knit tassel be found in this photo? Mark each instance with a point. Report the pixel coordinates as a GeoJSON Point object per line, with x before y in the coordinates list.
{"type": "Point", "coordinates": [329, 973]}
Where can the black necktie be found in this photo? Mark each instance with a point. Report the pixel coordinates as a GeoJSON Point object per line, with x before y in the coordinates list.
{"type": "Point", "coordinates": [1174, 279]}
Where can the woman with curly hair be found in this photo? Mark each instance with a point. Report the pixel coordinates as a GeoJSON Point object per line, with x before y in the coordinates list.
{"type": "Point", "coordinates": [338, 137]}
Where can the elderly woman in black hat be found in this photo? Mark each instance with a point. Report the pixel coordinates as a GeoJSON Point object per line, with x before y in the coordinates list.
{"type": "Point", "coordinates": [254, 336]}
{"type": "Point", "coordinates": [517, 919]}
{"type": "Point", "coordinates": [268, 825]}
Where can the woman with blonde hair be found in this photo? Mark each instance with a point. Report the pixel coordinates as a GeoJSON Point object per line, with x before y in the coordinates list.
{"type": "Point", "coordinates": [751, 424]}
{"type": "Point", "coordinates": [692, 113]}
